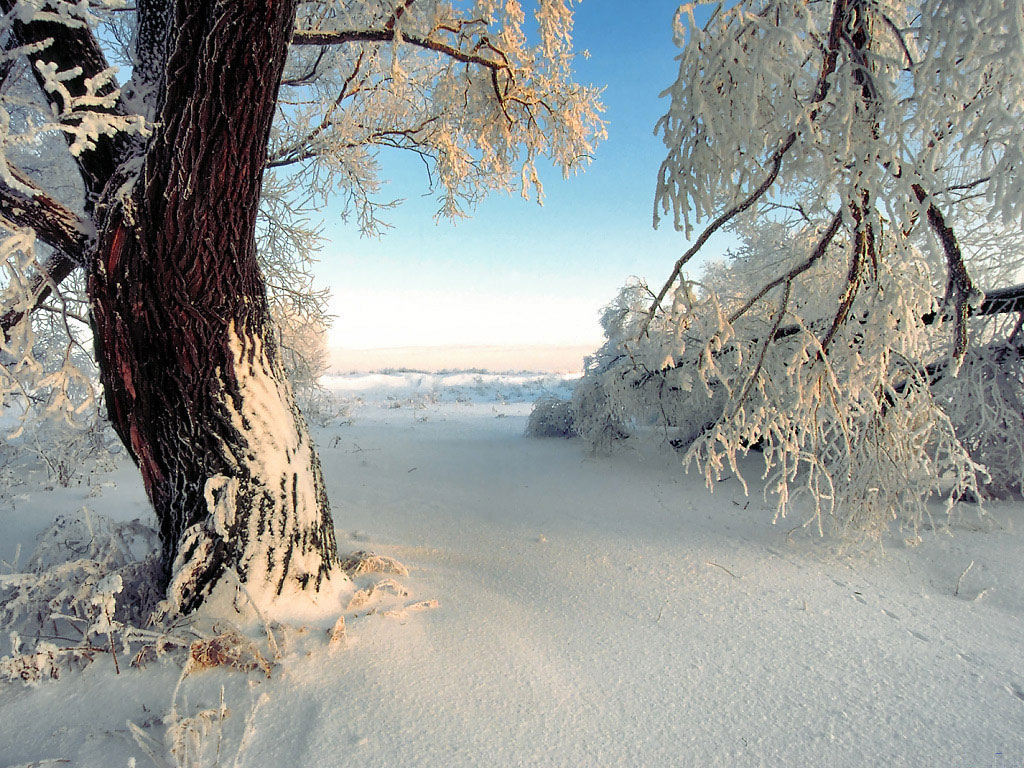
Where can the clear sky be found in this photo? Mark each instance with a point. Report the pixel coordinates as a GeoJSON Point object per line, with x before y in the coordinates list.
{"type": "Point", "coordinates": [517, 273]}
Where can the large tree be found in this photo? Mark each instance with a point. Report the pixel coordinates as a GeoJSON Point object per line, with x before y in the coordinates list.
{"type": "Point", "coordinates": [152, 191]}
{"type": "Point", "coordinates": [868, 155]}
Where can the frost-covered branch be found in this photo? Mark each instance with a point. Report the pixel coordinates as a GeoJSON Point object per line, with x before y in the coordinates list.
{"type": "Point", "coordinates": [460, 85]}
{"type": "Point", "coordinates": [72, 72]}
{"type": "Point", "coordinates": [667, 196]}
{"type": "Point", "coordinates": [867, 154]}
{"type": "Point", "coordinates": [960, 290]}
{"type": "Point", "coordinates": [317, 37]}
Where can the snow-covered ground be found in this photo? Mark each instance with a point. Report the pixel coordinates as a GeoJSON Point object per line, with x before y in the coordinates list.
{"type": "Point", "coordinates": [591, 611]}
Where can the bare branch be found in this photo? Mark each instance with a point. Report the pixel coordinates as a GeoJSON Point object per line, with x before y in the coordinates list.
{"type": "Point", "coordinates": [899, 38]}
{"type": "Point", "coordinates": [51, 274]}
{"type": "Point", "coordinates": [310, 75]}
{"type": "Point", "coordinates": [769, 337]}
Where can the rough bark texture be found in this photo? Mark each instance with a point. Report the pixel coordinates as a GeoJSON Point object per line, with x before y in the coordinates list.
{"type": "Point", "coordinates": [182, 328]}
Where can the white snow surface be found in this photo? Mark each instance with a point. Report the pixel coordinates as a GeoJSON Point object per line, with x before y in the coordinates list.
{"type": "Point", "coordinates": [591, 611]}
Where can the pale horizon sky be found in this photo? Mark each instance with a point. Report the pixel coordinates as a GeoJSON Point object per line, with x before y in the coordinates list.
{"type": "Point", "coordinates": [515, 273]}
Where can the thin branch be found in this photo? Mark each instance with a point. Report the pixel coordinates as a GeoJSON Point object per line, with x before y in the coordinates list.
{"type": "Point", "coordinates": [783, 308]}
{"type": "Point", "coordinates": [863, 246]}
{"type": "Point", "coordinates": [325, 37]}
{"type": "Point", "coordinates": [899, 37]}
{"type": "Point", "coordinates": [310, 75]}
{"type": "Point", "coordinates": [287, 155]}
{"type": "Point", "coordinates": [956, 590]}
{"type": "Point", "coordinates": [966, 185]}
{"type": "Point", "coordinates": [828, 66]}
{"type": "Point", "coordinates": [63, 313]}
{"type": "Point", "coordinates": [51, 274]}
{"type": "Point", "coordinates": [818, 252]}
{"type": "Point", "coordinates": [716, 565]}
{"type": "Point", "coordinates": [1001, 301]}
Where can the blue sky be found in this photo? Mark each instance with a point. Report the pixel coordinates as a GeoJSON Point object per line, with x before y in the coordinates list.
{"type": "Point", "coordinates": [517, 273]}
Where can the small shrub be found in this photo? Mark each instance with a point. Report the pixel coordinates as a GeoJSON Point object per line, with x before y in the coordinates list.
{"type": "Point", "coordinates": [551, 417]}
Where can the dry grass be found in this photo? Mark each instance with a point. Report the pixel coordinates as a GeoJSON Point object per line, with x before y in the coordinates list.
{"type": "Point", "coordinates": [228, 649]}
{"type": "Point", "coordinates": [359, 563]}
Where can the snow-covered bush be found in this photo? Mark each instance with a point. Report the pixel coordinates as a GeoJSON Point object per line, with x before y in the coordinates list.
{"type": "Point", "coordinates": [551, 417]}
{"type": "Point", "coordinates": [91, 587]}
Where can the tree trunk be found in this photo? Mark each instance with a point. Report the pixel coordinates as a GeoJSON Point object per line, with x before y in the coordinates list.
{"type": "Point", "coordinates": [193, 383]}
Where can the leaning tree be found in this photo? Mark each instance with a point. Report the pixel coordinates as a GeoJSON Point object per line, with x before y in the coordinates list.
{"type": "Point", "coordinates": [869, 156]}
{"type": "Point", "coordinates": [149, 192]}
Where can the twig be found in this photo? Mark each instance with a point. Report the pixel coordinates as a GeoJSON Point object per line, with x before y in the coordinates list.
{"type": "Point", "coordinates": [709, 562]}
{"type": "Point", "coordinates": [271, 640]}
{"type": "Point", "coordinates": [956, 591]}
{"type": "Point", "coordinates": [783, 305]}
{"type": "Point", "coordinates": [110, 639]}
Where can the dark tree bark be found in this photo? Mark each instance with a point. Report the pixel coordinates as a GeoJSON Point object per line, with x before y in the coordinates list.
{"type": "Point", "coordinates": [193, 383]}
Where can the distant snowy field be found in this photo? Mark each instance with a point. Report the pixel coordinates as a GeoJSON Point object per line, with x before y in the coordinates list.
{"type": "Point", "coordinates": [591, 611]}
{"type": "Point", "coordinates": [420, 387]}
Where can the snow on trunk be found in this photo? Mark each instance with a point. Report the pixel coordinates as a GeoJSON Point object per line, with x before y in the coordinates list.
{"type": "Point", "coordinates": [270, 511]}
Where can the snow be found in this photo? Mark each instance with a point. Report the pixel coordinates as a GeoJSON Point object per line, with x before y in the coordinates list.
{"type": "Point", "coordinates": [591, 611]}
{"type": "Point", "coordinates": [275, 452]}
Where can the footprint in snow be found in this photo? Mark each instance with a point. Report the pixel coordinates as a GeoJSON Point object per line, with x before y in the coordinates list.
{"type": "Point", "coordinates": [1016, 690]}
